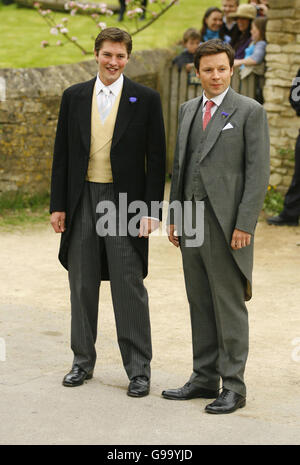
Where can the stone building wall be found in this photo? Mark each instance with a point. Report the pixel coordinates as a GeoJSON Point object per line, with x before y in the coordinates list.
{"type": "Point", "coordinates": [28, 114]}
{"type": "Point", "coordinates": [283, 62]}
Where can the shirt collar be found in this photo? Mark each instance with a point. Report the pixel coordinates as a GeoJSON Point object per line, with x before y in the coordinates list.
{"type": "Point", "coordinates": [115, 87]}
{"type": "Point", "coordinates": [217, 100]}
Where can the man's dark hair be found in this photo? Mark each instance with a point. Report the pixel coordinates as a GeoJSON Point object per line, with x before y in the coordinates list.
{"type": "Point", "coordinates": [114, 34]}
{"type": "Point", "coordinates": [212, 47]}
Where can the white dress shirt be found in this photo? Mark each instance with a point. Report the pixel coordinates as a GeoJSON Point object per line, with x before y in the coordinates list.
{"type": "Point", "coordinates": [217, 101]}
{"type": "Point", "coordinates": [115, 88]}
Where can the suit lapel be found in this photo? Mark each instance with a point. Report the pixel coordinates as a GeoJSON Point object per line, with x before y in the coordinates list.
{"type": "Point", "coordinates": [126, 109]}
{"type": "Point", "coordinates": [186, 126]}
{"type": "Point", "coordinates": [84, 114]}
{"type": "Point", "coordinates": [218, 122]}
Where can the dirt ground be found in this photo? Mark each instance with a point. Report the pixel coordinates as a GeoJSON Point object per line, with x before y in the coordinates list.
{"type": "Point", "coordinates": [35, 327]}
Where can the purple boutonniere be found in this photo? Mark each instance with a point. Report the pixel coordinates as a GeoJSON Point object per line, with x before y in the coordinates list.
{"type": "Point", "coordinates": [224, 114]}
{"type": "Point", "coordinates": [133, 99]}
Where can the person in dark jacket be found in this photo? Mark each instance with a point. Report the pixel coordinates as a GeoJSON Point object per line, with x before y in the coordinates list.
{"type": "Point", "coordinates": [191, 40]}
{"type": "Point", "coordinates": [291, 209]}
{"type": "Point", "coordinates": [109, 154]}
{"type": "Point", "coordinates": [244, 17]}
{"type": "Point", "coordinates": [230, 29]}
{"type": "Point", "coordinates": [123, 9]}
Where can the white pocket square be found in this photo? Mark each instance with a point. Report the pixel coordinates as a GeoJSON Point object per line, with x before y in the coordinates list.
{"type": "Point", "coordinates": [228, 126]}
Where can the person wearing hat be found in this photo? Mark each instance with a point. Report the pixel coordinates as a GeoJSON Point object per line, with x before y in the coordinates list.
{"type": "Point", "coordinates": [244, 16]}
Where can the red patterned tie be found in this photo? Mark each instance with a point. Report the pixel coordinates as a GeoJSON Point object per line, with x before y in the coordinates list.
{"type": "Point", "coordinates": [207, 114]}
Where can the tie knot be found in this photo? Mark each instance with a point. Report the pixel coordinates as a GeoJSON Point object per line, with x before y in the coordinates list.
{"type": "Point", "coordinates": [106, 91]}
{"type": "Point", "coordinates": [209, 105]}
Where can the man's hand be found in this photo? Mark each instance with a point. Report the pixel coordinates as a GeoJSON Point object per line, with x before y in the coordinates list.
{"type": "Point", "coordinates": [58, 221]}
{"type": "Point", "coordinates": [147, 226]}
{"type": "Point", "coordinates": [240, 239]}
{"type": "Point", "coordinates": [171, 235]}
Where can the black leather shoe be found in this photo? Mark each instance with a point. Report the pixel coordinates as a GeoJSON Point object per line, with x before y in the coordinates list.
{"type": "Point", "coordinates": [76, 377]}
{"type": "Point", "coordinates": [189, 391]}
{"type": "Point", "coordinates": [139, 387]}
{"type": "Point", "coordinates": [282, 220]}
{"type": "Point", "coordinates": [227, 402]}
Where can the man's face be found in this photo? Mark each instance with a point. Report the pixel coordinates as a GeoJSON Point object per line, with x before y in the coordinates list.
{"type": "Point", "coordinates": [215, 74]}
{"type": "Point", "coordinates": [229, 6]}
{"type": "Point", "coordinates": [192, 45]}
{"type": "Point", "coordinates": [112, 59]}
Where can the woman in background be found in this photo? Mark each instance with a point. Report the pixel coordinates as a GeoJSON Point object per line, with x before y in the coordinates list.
{"type": "Point", "coordinates": [255, 53]}
{"type": "Point", "coordinates": [244, 16]}
{"type": "Point", "coordinates": [211, 24]}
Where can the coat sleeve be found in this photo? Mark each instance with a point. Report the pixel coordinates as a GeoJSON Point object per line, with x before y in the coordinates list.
{"type": "Point", "coordinates": [174, 194]}
{"type": "Point", "coordinates": [155, 156]}
{"type": "Point", "coordinates": [58, 197]}
{"type": "Point", "coordinates": [257, 169]}
{"type": "Point", "coordinates": [295, 94]}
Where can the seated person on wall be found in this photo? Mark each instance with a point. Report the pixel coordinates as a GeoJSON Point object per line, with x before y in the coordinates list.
{"type": "Point", "coordinates": [291, 208]}
{"type": "Point", "coordinates": [254, 63]}
{"type": "Point", "coordinates": [262, 6]}
{"type": "Point", "coordinates": [211, 25]}
{"type": "Point", "coordinates": [191, 40]}
{"type": "Point", "coordinates": [255, 53]}
{"type": "Point", "coordinates": [229, 28]}
{"type": "Point", "coordinates": [244, 16]}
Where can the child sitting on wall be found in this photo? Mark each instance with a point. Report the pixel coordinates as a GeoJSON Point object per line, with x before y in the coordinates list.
{"type": "Point", "coordinates": [255, 53]}
{"type": "Point", "coordinates": [191, 40]}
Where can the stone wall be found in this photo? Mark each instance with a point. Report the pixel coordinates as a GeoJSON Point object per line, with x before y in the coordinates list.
{"type": "Point", "coordinates": [283, 62]}
{"type": "Point", "coordinates": [28, 115]}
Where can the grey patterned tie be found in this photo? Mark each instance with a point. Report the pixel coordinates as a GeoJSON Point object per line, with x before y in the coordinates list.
{"type": "Point", "coordinates": [105, 103]}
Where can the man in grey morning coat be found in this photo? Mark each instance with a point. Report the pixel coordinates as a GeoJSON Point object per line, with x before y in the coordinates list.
{"type": "Point", "coordinates": [222, 159]}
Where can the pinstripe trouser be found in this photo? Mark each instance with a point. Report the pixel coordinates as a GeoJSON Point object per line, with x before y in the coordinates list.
{"type": "Point", "coordinates": [129, 295]}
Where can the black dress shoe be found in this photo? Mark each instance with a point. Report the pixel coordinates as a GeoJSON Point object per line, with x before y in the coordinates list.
{"type": "Point", "coordinates": [227, 402]}
{"type": "Point", "coordinates": [139, 387]}
{"type": "Point", "coordinates": [282, 220]}
{"type": "Point", "coordinates": [76, 377]}
{"type": "Point", "coordinates": [189, 391]}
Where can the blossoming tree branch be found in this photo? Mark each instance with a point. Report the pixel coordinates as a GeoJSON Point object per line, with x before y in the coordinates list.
{"type": "Point", "coordinates": [96, 12]}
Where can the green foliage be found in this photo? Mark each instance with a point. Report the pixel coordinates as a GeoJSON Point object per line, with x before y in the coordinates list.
{"type": "Point", "coordinates": [273, 203]}
{"type": "Point", "coordinates": [18, 200]}
{"type": "Point", "coordinates": [23, 30]}
{"type": "Point", "coordinates": [288, 153]}
{"type": "Point", "coordinates": [19, 209]}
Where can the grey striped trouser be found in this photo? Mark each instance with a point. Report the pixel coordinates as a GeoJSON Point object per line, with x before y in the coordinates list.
{"type": "Point", "coordinates": [219, 317]}
{"type": "Point", "coordinates": [129, 296]}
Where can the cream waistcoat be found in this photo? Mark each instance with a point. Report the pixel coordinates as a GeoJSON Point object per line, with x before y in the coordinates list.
{"type": "Point", "coordinates": [99, 168]}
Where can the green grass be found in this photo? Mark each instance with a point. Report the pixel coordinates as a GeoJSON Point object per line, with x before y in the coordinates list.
{"type": "Point", "coordinates": [21, 209]}
{"type": "Point", "coordinates": [22, 31]}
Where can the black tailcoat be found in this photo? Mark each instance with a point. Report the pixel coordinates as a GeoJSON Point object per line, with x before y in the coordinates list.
{"type": "Point", "coordinates": [137, 154]}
